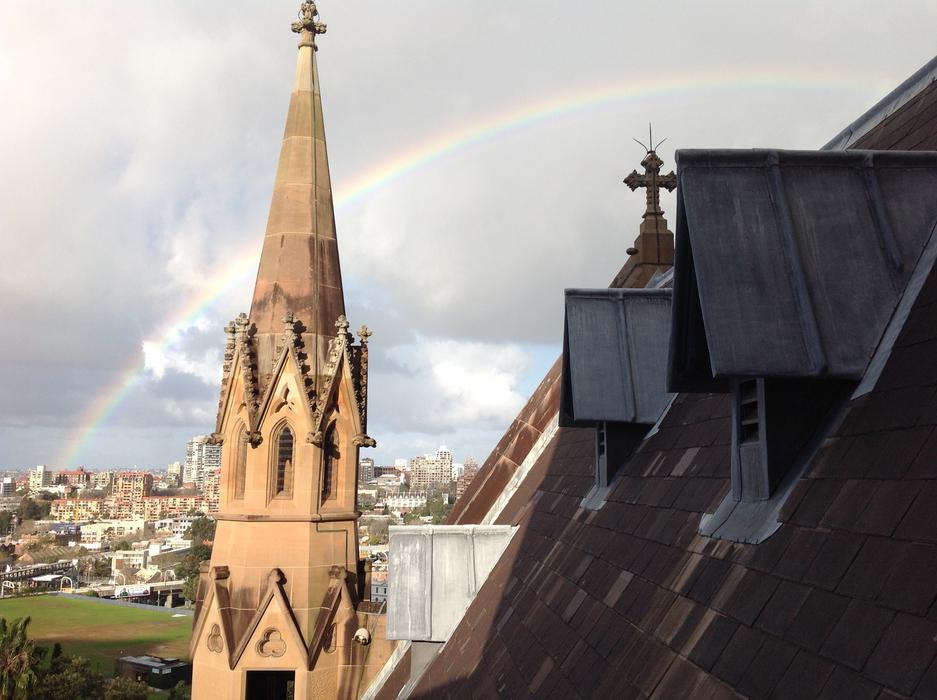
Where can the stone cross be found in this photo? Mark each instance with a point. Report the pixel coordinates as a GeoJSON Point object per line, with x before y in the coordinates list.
{"type": "Point", "coordinates": [307, 19]}
{"type": "Point", "coordinates": [652, 180]}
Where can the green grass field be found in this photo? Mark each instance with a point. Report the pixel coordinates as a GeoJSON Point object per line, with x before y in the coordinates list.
{"type": "Point", "coordinates": [98, 631]}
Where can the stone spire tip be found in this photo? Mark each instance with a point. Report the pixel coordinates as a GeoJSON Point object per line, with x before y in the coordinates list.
{"type": "Point", "coordinates": [308, 25]}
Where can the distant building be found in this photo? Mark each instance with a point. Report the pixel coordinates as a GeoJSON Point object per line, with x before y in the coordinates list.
{"type": "Point", "coordinates": [431, 470]}
{"type": "Point", "coordinates": [177, 526]}
{"type": "Point", "coordinates": [155, 671]}
{"type": "Point", "coordinates": [102, 480]}
{"type": "Point", "coordinates": [174, 471]}
{"type": "Point", "coordinates": [39, 478]}
{"type": "Point", "coordinates": [157, 507]}
{"type": "Point", "coordinates": [406, 501]}
{"type": "Point", "coordinates": [200, 456]}
{"type": "Point", "coordinates": [7, 486]}
{"type": "Point", "coordinates": [107, 530]}
{"type": "Point", "coordinates": [400, 463]}
{"type": "Point", "coordinates": [366, 469]}
{"type": "Point", "coordinates": [132, 485]}
{"type": "Point", "coordinates": [76, 510]}
{"type": "Point", "coordinates": [211, 490]}
{"type": "Point", "coordinates": [78, 478]}
{"type": "Point", "coordinates": [468, 476]}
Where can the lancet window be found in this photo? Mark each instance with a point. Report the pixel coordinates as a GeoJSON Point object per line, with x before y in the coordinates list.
{"type": "Point", "coordinates": [329, 462]}
{"type": "Point", "coordinates": [240, 464]}
{"type": "Point", "coordinates": [283, 464]}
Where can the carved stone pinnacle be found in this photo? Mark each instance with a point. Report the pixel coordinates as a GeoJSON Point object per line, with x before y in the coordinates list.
{"type": "Point", "coordinates": [307, 20]}
{"type": "Point", "coordinates": [364, 333]}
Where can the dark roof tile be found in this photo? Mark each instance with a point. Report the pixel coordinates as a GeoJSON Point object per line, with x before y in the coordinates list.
{"type": "Point", "coordinates": [784, 605]}
{"type": "Point", "coordinates": [767, 668]}
{"type": "Point", "coordinates": [816, 618]}
{"type": "Point", "coordinates": [912, 582]}
{"type": "Point", "coordinates": [682, 680]}
{"type": "Point", "coordinates": [920, 522]}
{"type": "Point", "coordinates": [887, 507]}
{"type": "Point", "coordinates": [864, 577]}
{"type": "Point", "coordinates": [843, 684]}
{"type": "Point", "coordinates": [712, 641]}
{"type": "Point", "coordinates": [765, 556]}
{"type": "Point", "coordinates": [804, 678]}
{"type": "Point", "coordinates": [904, 653]}
{"type": "Point", "coordinates": [850, 504]}
{"type": "Point", "coordinates": [706, 584]}
{"type": "Point", "coordinates": [857, 633]}
{"type": "Point", "coordinates": [751, 595]}
{"type": "Point", "coordinates": [820, 495]}
{"type": "Point", "coordinates": [738, 654]}
{"type": "Point", "coordinates": [924, 465]}
{"type": "Point", "coordinates": [800, 553]}
{"type": "Point", "coordinates": [836, 554]}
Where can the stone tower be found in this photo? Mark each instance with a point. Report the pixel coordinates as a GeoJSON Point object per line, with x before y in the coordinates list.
{"type": "Point", "coordinates": [280, 604]}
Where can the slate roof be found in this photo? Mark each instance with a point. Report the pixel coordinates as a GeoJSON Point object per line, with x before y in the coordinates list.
{"type": "Point", "coordinates": [629, 601]}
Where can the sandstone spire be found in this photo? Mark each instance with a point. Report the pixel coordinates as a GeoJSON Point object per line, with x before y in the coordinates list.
{"type": "Point", "coordinates": [299, 269]}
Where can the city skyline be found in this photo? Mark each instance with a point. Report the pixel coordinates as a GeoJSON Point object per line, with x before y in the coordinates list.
{"type": "Point", "coordinates": [427, 194]}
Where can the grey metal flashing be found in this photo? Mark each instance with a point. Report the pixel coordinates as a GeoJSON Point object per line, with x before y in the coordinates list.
{"type": "Point", "coordinates": [808, 320]}
{"type": "Point", "coordinates": [888, 105]}
{"type": "Point", "coordinates": [614, 356]}
{"type": "Point", "coordinates": [434, 572]}
{"type": "Point", "coordinates": [826, 241]}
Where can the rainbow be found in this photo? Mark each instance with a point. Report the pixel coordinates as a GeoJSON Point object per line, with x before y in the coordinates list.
{"type": "Point", "coordinates": [438, 147]}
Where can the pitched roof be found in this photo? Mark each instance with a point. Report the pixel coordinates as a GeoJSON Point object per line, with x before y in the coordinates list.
{"type": "Point", "coordinates": [631, 601]}
{"type": "Point", "coordinates": [817, 277]}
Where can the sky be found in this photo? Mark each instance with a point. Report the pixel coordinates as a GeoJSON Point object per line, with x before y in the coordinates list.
{"type": "Point", "coordinates": [477, 151]}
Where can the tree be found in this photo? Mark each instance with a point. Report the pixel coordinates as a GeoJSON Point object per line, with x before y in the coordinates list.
{"type": "Point", "coordinates": [188, 569]}
{"type": "Point", "coordinates": [125, 689]}
{"type": "Point", "coordinates": [6, 522]}
{"type": "Point", "coordinates": [201, 530]}
{"type": "Point", "coordinates": [70, 677]}
{"type": "Point", "coordinates": [30, 509]}
{"type": "Point", "coordinates": [122, 545]}
{"type": "Point", "coordinates": [19, 660]}
{"type": "Point", "coordinates": [180, 691]}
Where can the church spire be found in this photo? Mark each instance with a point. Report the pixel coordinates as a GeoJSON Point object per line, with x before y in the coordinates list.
{"type": "Point", "coordinates": [299, 271]}
{"type": "Point", "coordinates": [652, 251]}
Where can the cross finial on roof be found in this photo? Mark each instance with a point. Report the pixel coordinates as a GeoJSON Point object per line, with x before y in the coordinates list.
{"type": "Point", "coordinates": [308, 26]}
{"type": "Point", "coordinates": [652, 179]}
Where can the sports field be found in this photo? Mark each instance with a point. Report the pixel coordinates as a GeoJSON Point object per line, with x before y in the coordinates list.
{"type": "Point", "coordinates": [100, 631]}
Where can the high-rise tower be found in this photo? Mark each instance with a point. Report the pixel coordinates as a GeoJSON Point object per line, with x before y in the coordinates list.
{"type": "Point", "coordinates": [279, 603]}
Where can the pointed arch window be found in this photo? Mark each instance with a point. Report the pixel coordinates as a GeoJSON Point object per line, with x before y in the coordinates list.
{"type": "Point", "coordinates": [240, 464]}
{"type": "Point", "coordinates": [283, 464]}
{"type": "Point", "coordinates": [330, 459]}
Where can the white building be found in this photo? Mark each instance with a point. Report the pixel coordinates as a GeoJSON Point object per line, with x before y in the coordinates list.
{"type": "Point", "coordinates": [406, 501]}
{"type": "Point", "coordinates": [107, 530]}
{"type": "Point", "coordinates": [200, 456]}
{"type": "Point", "coordinates": [431, 470]}
{"type": "Point", "coordinates": [39, 479]}
{"type": "Point", "coordinates": [177, 526]}
{"type": "Point", "coordinates": [7, 486]}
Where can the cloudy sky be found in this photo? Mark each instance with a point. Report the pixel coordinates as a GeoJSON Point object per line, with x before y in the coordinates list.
{"type": "Point", "coordinates": [477, 152]}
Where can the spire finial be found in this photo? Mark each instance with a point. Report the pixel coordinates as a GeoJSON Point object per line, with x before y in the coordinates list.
{"type": "Point", "coordinates": [308, 27]}
{"type": "Point", "coordinates": [652, 179]}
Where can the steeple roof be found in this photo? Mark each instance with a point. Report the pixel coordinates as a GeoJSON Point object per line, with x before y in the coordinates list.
{"type": "Point", "coordinates": [299, 267]}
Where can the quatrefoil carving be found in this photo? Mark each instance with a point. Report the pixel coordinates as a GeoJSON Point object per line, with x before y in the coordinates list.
{"type": "Point", "coordinates": [215, 642]}
{"type": "Point", "coordinates": [271, 643]}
